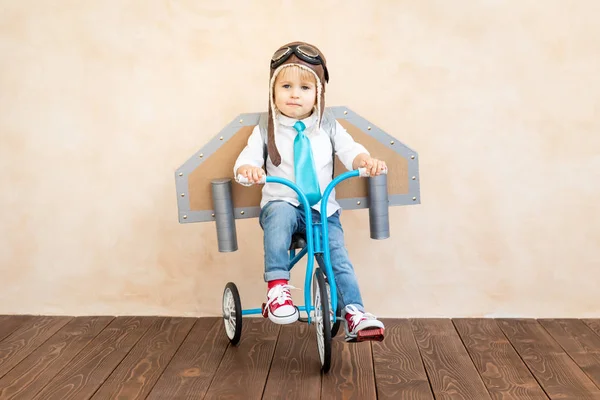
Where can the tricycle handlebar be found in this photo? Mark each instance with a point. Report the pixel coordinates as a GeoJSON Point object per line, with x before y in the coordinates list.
{"type": "Point", "coordinates": [242, 180]}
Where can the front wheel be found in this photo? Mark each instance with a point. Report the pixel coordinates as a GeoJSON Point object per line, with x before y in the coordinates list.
{"type": "Point", "coordinates": [338, 313]}
{"type": "Point", "coordinates": [322, 319]}
{"type": "Point", "coordinates": [232, 313]}
{"type": "Point", "coordinates": [336, 326]}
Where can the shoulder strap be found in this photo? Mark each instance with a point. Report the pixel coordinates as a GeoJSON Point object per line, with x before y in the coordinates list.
{"type": "Point", "coordinates": [328, 124]}
{"type": "Point", "coordinates": [262, 125]}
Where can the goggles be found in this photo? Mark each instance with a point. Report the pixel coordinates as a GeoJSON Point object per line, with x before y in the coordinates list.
{"type": "Point", "coordinates": [304, 52]}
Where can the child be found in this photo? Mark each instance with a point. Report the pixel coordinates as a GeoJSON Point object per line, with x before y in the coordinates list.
{"type": "Point", "coordinates": [297, 93]}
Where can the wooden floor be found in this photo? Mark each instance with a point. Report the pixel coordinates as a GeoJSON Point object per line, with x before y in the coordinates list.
{"type": "Point", "coordinates": [188, 358]}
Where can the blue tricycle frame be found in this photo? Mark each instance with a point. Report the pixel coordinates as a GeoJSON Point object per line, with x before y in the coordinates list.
{"type": "Point", "coordinates": [316, 237]}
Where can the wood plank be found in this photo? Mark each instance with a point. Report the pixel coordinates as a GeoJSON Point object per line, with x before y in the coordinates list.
{"type": "Point", "coordinates": [351, 374]}
{"type": "Point", "coordinates": [193, 367]}
{"type": "Point", "coordinates": [35, 371]}
{"type": "Point", "coordinates": [26, 339]}
{"type": "Point", "coordinates": [296, 368]}
{"type": "Point", "coordinates": [399, 371]}
{"type": "Point", "coordinates": [449, 367]}
{"type": "Point", "coordinates": [141, 368]}
{"type": "Point", "coordinates": [10, 323]}
{"type": "Point", "coordinates": [580, 343]}
{"type": "Point", "coordinates": [92, 366]}
{"type": "Point", "coordinates": [593, 324]}
{"type": "Point", "coordinates": [556, 372]}
{"type": "Point", "coordinates": [243, 371]}
{"type": "Point", "coordinates": [502, 370]}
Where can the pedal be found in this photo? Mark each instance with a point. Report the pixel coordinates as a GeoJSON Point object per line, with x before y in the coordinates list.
{"type": "Point", "coordinates": [373, 334]}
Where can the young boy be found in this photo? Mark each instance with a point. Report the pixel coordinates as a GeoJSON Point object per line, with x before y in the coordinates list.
{"type": "Point", "coordinates": [297, 93]}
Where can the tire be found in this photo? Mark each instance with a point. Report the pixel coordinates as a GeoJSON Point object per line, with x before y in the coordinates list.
{"type": "Point", "coordinates": [323, 325]}
{"type": "Point", "coordinates": [232, 313]}
{"type": "Point", "coordinates": [338, 320]}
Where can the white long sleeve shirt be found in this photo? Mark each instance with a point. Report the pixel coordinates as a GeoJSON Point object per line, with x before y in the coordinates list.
{"type": "Point", "coordinates": [345, 148]}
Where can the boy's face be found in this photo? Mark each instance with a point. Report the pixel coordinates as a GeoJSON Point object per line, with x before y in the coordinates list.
{"type": "Point", "coordinates": [295, 95]}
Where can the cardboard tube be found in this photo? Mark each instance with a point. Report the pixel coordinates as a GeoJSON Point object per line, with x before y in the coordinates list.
{"type": "Point", "coordinates": [379, 221]}
{"type": "Point", "coordinates": [224, 218]}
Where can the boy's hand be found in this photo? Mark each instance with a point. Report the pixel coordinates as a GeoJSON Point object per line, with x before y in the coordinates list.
{"type": "Point", "coordinates": [374, 166]}
{"type": "Point", "coordinates": [254, 174]}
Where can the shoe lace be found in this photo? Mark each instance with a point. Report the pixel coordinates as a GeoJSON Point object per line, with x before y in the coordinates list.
{"type": "Point", "coordinates": [280, 293]}
{"type": "Point", "coordinates": [356, 315]}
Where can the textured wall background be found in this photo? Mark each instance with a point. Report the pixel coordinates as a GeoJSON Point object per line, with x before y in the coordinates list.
{"type": "Point", "coordinates": [100, 101]}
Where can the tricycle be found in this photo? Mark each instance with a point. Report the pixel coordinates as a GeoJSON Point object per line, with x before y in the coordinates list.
{"type": "Point", "coordinates": [319, 304]}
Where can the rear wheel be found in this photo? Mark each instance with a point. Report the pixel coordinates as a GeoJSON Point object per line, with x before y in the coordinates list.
{"type": "Point", "coordinates": [232, 313]}
{"type": "Point", "coordinates": [322, 319]}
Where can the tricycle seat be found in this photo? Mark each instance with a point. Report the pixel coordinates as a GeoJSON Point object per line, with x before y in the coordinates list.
{"type": "Point", "coordinates": [298, 241]}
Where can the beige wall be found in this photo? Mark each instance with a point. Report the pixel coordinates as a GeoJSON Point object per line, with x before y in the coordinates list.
{"type": "Point", "coordinates": [101, 101]}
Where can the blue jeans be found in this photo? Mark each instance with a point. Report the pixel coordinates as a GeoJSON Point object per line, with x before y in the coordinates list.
{"type": "Point", "coordinates": [279, 221]}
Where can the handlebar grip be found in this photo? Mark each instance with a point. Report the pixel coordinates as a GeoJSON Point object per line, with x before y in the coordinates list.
{"type": "Point", "coordinates": [363, 172]}
{"type": "Point", "coordinates": [242, 180]}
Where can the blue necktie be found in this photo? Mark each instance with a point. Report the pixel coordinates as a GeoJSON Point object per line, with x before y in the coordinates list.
{"type": "Point", "coordinates": [304, 166]}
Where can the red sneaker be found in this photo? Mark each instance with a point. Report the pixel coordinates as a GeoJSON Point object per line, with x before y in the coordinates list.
{"type": "Point", "coordinates": [362, 326]}
{"type": "Point", "coordinates": [279, 307]}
